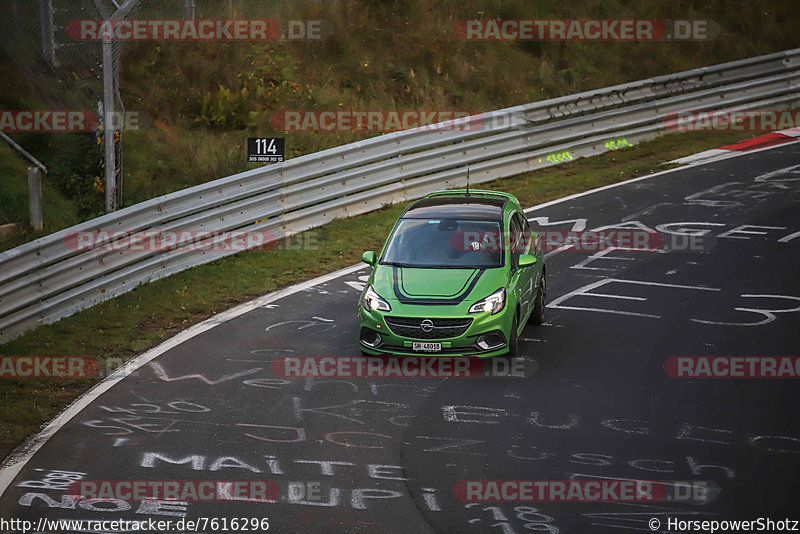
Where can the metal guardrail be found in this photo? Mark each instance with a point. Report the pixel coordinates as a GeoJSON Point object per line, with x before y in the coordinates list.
{"type": "Point", "coordinates": [45, 280]}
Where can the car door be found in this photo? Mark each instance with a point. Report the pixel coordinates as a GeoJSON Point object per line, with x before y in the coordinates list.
{"type": "Point", "coordinates": [525, 281]}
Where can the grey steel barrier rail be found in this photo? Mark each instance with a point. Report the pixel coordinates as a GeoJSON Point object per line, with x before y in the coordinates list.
{"type": "Point", "coordinates": [205, 195]}
{"type": "Point", "coordinates": [45, 280]}
{"type": "Point", "coordinates": [175, 205]}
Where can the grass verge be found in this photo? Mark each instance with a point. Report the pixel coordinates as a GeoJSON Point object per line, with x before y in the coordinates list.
{"type": "Point", "coordinates": [198, 102]}
{"type": "Point", "coordinates": [140, 319]}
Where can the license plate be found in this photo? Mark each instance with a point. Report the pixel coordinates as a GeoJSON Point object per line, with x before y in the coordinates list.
{"type": "Point", "coordinates": [427, 347]}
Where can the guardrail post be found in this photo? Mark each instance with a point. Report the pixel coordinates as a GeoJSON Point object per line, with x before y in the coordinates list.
{"type": "Point", "coordinates": [35, 197]}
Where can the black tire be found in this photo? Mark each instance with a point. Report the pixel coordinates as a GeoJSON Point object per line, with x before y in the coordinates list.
{"type": "Point", "coordinates": [537, 315]}
{"type": "Point", "coordinates": [513, 337]}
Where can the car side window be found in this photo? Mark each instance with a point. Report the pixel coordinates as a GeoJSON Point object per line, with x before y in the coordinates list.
{"type": "Point", "coordinates": [514, 240]}
{"type": "Point", "coordinates": [524, 242]}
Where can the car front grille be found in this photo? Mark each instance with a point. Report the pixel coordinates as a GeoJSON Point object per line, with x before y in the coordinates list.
{"type": "Point", "coordinates": [442, 328]}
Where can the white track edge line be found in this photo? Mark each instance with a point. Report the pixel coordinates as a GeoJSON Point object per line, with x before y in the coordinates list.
{"type": "Point", "coordinates": [14, 464]}
{"type": "Point", "coordinates": [734, 154]}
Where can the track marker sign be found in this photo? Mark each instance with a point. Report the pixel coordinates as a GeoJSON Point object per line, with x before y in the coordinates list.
{"type": "Point", "coordinates": [265, 149]}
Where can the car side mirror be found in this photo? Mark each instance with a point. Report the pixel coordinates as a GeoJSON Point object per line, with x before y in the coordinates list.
{"type": "Point", "coordinates": [369, 257]}
{"type": "Point", "coordinates": [526, 260]}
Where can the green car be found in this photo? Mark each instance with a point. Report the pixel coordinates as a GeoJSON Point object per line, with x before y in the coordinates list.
{"type": "Point", "coordinates": [460, 275]}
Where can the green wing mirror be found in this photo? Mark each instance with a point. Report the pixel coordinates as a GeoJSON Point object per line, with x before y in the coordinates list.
{"type": "Point", "coordinates": [370, 258]}
{"type": "Point", "coordinates": [525, 260]}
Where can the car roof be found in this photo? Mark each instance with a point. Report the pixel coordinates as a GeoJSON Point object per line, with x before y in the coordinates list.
{"type": "Point", "coordinates": [457, 207]}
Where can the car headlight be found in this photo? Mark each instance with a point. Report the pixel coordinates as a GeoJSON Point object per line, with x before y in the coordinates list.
{"type": "Point", "coordinates": [373, 301]}
{"type": "Point", "coordinates": [493, 303]}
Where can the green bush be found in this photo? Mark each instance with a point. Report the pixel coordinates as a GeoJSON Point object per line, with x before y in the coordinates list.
{"type": "Point", "coordinates": [14, 192]}
{"type": "Point", "coordinates": [224, 109]}
{"type": "Point", "coordinates": [77, 170]}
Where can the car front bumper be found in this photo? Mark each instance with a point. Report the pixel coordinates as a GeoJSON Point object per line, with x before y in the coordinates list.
{"type": "Point", "coordinates": [486, 335]}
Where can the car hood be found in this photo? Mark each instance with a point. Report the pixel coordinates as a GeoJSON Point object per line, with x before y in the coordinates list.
{"type": "Point", "coordinates": [412, 285]}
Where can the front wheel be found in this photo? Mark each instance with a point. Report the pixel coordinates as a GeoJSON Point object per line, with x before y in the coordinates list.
{"type": "Point", "coordinates": [537, 315]}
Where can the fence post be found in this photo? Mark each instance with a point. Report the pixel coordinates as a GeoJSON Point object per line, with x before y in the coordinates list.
{"type": "Point", "coordinates": [110, 86]}
{"type": "Point", "coordinates": [35, 197]}
{"type": "Point", "coordinates": [48, 35]}
{"type": "Point", "coordinates": [110, 160]}
{"type": "Point", "coordinates": [190, 9]}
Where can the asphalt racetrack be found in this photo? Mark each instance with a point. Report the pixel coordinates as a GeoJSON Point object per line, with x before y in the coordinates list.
{"type": "Point", "coordinates": [383, 455]}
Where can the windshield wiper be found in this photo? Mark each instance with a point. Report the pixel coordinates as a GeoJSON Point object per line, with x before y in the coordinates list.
{"type": "Point", "coordinates": [414, 266]}
{"type": "Point", "coordinates": [398, 264]}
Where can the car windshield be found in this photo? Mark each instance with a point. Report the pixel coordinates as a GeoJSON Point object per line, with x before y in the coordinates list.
{"type": "Point", "coordinates": [445, 243]}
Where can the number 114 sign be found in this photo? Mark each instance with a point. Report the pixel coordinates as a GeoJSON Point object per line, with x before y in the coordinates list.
{"type": "Point", "coordinates": [265, 149]}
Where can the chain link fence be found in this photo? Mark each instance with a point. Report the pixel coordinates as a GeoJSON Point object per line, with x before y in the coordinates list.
{"type": "Point", "coordinates": [67, 74]}
{"type": "Point", "coordinates": [62, 71]}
